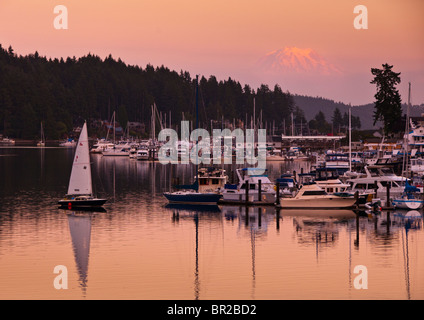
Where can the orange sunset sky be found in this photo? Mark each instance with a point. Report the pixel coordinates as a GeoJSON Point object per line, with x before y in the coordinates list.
{"type": "Point", "coordinates": [250, 41]}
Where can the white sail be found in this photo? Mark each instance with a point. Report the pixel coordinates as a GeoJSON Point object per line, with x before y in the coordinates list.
{"type": "Point", "coordinates": [80, 181]}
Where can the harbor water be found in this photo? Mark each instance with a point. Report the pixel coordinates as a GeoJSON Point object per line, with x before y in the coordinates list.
{"type": "Point", "coordinates": [140, 247]}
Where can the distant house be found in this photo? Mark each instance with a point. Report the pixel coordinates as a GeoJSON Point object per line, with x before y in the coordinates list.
{"type": "Point", "coordinates": [109, 126]}
{"type": "Point", "coordinates": [138, 127]}
{"type": "Point", "coordinates": [416, 134]}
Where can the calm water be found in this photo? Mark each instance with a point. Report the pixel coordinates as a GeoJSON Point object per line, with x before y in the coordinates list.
{"type": "Point", "coordinates": [140, 248]}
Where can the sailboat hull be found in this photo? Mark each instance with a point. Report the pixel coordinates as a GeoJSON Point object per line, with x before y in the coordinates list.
{"type": "Point", "coordinates": [193, 198]}
{"type": "Point", "coordinates": [73, 203]}
{"type": "Point", "coordinates": [408, 204]}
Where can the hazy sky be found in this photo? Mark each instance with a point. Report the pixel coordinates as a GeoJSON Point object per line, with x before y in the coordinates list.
{"type": "Point", "coordinates": [229, 38]}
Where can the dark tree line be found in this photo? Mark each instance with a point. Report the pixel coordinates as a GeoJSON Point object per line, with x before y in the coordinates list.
{"type": "Point", "coordinates": [62, 93]}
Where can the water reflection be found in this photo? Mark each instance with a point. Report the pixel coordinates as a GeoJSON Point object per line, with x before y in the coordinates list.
{"type": "Point", "coordinates": [319, 228]}
{"type": "Point", "coordinates": [194, 214]}
{"type": "Point", "coordinates": [171, 251]}
{"type": "Point", "coordinates": [412, 221]}
{"type": "Point", "coordinates": [79, 223]}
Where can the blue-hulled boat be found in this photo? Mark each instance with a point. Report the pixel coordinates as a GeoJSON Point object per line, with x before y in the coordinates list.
{"type": "Point", "coordinates": [189, 194]}
{"type": "Point", "coordinates": [193, 197]}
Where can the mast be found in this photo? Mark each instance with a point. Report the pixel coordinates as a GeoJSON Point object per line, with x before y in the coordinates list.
{"type": "Point", "coordinates": [350, 138]}
{"type": "Point", "coordinates": [405, 139]}
{"type": "Point", "coordinates": [197, 126]}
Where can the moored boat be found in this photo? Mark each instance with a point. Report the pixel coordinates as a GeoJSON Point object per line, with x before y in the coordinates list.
{"type": "Point", "coordinates": [252, 188]}
{"type": "Point", "coordinates": [408, 200]}
{"type": "Point", "coordinates": [192, 197]}
{"type": "Point", "coordinates": [313, 197]}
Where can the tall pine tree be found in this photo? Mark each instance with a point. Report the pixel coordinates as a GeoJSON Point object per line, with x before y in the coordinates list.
{"type": "Point", "coordinates": [388, 106]}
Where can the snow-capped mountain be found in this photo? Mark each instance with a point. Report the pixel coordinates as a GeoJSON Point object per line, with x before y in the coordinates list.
{"type": "Point", "coordinates": [296, 60]}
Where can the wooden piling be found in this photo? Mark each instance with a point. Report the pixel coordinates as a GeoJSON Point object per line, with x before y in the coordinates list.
{"type": "Point", "coordinates": [259, 190]}
{"type": "Point", "coordinates": [260, 217]}
{"type": "Point", "coordinates": [388, 202]}
{"type": "Point", "coordinates": [247, 192]}
{"type": "Point", "coordinates": [277, 218]}
{"type": "Point", "coordinates": [277, 196]}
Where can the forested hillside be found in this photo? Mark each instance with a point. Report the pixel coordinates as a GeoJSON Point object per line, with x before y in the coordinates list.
{"type": "Point", "coordinates": [61, 93]}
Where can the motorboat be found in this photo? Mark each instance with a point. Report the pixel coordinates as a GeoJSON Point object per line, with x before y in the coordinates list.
{"type": "Point", "coordinates": [417, 166]}
{"type": "Point", "coordinates": [212, 179]}
{"type": "Point", "coordinates": [311, 196]}
{"type": "Point", "coordinates": [80, 191]}
{"type": "Point", "coordinates": [101, 145]}
{"type": "Point", "coordinates": [377, 179]}
{"type": "Point", "coordinates": [336, 160]}
{"type": "Point", "coordinates": [259, 187]}
{"type": "Point", "coordinates": [121, 149]}
{"type": "Point", "coordinates": [6, 141]}
{"type": "Point", "coordinates": [294, 153]}
{"type": "Point", "coordinates": [142, 154]}
{"type": "Point", "coordinates": [69, 143]}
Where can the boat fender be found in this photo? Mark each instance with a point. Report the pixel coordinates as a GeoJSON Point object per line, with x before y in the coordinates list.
{"type": "Point", "coordinates": [69, 205]}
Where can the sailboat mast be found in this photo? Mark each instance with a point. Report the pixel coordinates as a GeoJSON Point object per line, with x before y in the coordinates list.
{"type": "Point", "coordinates": [197, 126]}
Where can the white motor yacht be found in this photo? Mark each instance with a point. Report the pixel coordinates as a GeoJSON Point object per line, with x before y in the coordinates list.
{"type": "Point", "coordinates": [312, 196]}
{"type": "Point", "coordinates": [142, 154]}
{"type": "Point", "coordinates": [248, 178]}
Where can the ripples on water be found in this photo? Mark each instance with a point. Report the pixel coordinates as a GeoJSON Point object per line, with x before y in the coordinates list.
{"type": "Point", "coordinates": [142, 248]}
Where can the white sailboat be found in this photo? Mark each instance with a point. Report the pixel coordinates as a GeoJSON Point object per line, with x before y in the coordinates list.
{"type": "Point", "coordinates": [408, 199]}
{"type": "Point", "coordinates": [80, 191]}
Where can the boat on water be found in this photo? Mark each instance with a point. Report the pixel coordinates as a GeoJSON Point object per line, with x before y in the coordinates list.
{"type": "Point", "coordinates": [375, 179]}
{"type": "Point", "coordinates": [295, 154]}
{"type": "Point", "coordinates": [80, 191]}
{"type": "Point", "coordinates": [407, 202]}
{"type": "Point", "coordinates": [118, 150]}
{"type": "Point", "coordinates": [6, 141]}
{"type": "Point", "coordinates": [101, 145]}
{"type": "Point", "coordinates": [336, 160]}
{"type": "Point", "coordinates": [259, 187]}
{"type": "Point", "coordinates": [409, 199]}
{"type": "Point", "coordinates": [69, 143]}
{"type": "Point", "coordinates": [42, 142]}
{"type": "Point", "coordinates": [417, 165]}
{"type": "Point", "coordinates": [142, 154]}
{"type": "Point", "coordinates": [190, 194]}
{"type": "Point", "coordinates": [212, 179]}
{"type": "Point", "coordinates": [193, 197]}
{"type": "Point", "coordinates": [311, 196]}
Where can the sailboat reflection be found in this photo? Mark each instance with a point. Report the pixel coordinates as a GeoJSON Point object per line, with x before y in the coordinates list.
{"type": "Point", "coordinates": [195, 213]}
{"type": "Point", "coordinates": [80, 228]}
{"type": "Point", "coordinates": [253, 222]}
{"type": "Point", "coordinates": [412, 221]}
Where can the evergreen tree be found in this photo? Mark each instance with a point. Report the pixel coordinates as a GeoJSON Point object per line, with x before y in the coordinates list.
{"type": "Point", "coordinates": [388, 102]}
{"type": "Point", "coordinates": [337, 120]}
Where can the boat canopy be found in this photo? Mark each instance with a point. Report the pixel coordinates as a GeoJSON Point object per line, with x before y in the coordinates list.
{"type": "Point", "coordinates": [409, 188]}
